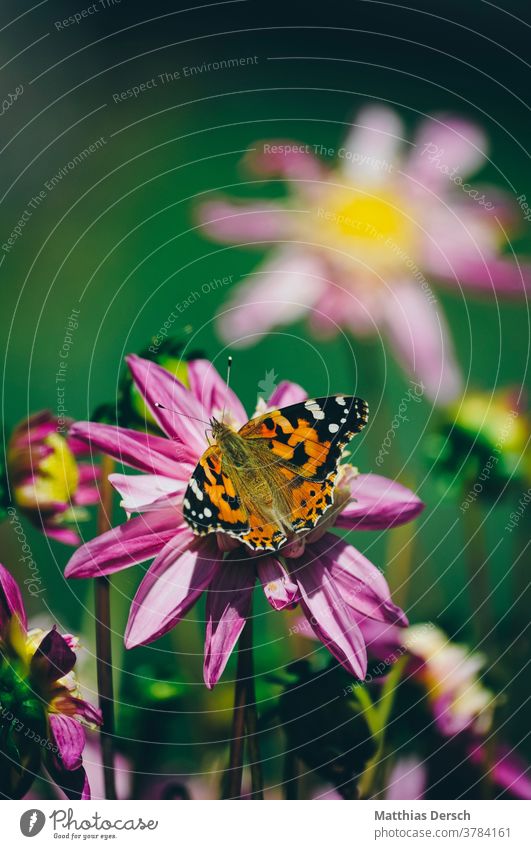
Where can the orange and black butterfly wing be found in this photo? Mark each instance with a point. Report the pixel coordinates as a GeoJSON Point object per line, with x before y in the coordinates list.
{"type": "Point", "coordinates": [310, 437]}
{"type": "Point", "coordinates": [306, 442]}
{"type": "Point", "coordinates": [211, 502]}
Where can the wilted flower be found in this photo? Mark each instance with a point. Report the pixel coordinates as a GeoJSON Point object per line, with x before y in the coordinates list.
{"type": "Point", "coordinates": [357, 242]}
{"type": "Point", "coordinates": [483, 441]}
{"type": "Point", "coordinates": [329, 578]}
{"type": "Point", "coordinates": [43, 716]}
{"type": "Point", "coordinates": [48, 483]}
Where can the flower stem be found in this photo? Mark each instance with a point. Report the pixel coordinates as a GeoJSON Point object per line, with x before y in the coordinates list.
{"type": "Point", "coordinates": [244, 719]}
{"type": "Point", "coordinates": [251, 724]}
{"type": "Point", "coordinates": [102, 612]}
{"type": "Point", "coordinates": [377, 715]}
{"type": "Point", "coordinates": [291, 776]}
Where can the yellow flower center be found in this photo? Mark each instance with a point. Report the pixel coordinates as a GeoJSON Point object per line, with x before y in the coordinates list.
{"type": "Point", "coordinates": [373, 227]}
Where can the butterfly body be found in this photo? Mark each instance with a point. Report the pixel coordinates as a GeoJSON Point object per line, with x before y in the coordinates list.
{"type": "Point", "coordinates": [274, 477]}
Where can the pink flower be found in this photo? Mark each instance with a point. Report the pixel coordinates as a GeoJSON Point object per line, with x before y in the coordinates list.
{"type": "Point", "coordinates": [407, 779]}
{"type": "Point", "coordinates": [43, 715]}
{"type": "Point", "coordinates": [331, 580]}
{"type": "Point", "coordinates": [507, 769]}
{"type": "Point", "coordinates": [49, 485]}
{"type": "Point", "coordinates": [450, 674]}
{"type": "Point", "coordinates": [357, 243]}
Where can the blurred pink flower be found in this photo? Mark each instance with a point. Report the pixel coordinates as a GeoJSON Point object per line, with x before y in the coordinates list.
{"type": "Point", "coordinates": [407, 779]}
{"type": "Point", "coordinates": [49, 485]}
{"type": "Point", "coordinates": [93, 764]}
{"type": "Point", "coordinates": [506, 768]}
{"type": "Point", "coordinates": [450, 674]}
{"type": "Point", "coordinates": [356, 242]}
{"type": "Point", "coordinates": [332, 581]}
{"type": "Point", "coordinates": [39, 685]}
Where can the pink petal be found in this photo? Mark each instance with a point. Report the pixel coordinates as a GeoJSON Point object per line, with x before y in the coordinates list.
{"type": "Point", "coordinates": [173, 583]}
{"type": "Point", "coordinates": [64, 535]}
{"type": "Point", "coordinates": [285, 158]}
{"type": "Point", "coordinates": [88, 473]}
{"type": "Point", "coordinates": [212, 392]}
{"type": "Point", "coordinates": [418, 332]}
{"type": "Point", "coordinates": [284, 290]}
{"type": "Point", "coordinates": [340, 306]}
{"type": "Point", "coordinates": [445, 143]}
{"type": "Point", "coordinates": [357, 580]}
{"type": "Point", "coordinates": [11, 603]}
{"type": "Point", "coordinates": [461, 247]}
{"type": "Point", "coordinates": [86, 711]}
{"type": "Point", "coordinates": [74, 783]}
{"type": "Point", "coordinates": [330, 617]}
{"type": "Point", "coordinates": [70, 738]}
{"type": "Point", "coordinates": [279, 589]}
{"type": "Point", "coordinates": [179, 420]}
{"type": "Point", "coordinates": [151, 454]}
{"type": "Point", "coordinates": [379, 503]}
{"type": "Point", "coordinates": [383, 641]}
{"type": "Point", "coordinates": [509, 771]}
{"type": "Point", "coordinates": [285, 394]}
{"type": "Point", "coordinates": [228, 603]}
{"type": "Point", "coordinates": [502, 276]}
{"type": "Point", "coordinates": [133, 542]}
{"type": "Point", "coordinates": [372, 146]}
{"type": "Point", "coordinates": [80, 709]}
{"type": "Point", "coordinates": [407, 780]}
{"type": "Point", "coordinates": [85, 495]}
{"type": "Point", "coordinates": [246, 223]}
{"type": "Point", "coordinates": [147, 492]}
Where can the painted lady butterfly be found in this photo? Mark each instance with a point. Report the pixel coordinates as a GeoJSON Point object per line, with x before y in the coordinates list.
{"type": "Point", "coordinates": [275, 476]}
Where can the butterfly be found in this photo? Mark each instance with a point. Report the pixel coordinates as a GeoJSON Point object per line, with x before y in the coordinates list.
{"type": "Point", "coordinates": [275, 476]}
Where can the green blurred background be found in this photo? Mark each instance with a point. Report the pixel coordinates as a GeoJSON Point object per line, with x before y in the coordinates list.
{"type": "Point", "coordinates": [118, 238]}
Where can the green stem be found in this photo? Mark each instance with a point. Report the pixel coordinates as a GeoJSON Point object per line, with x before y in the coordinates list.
{"type": "Point", "coordinates": [251, 725]}
{"type": "Point", "coordinates": [102, 613]}
{"type": "Point", "coordinates": [242, 698]}
{"type": "Point", "coordinates": [377, 716]}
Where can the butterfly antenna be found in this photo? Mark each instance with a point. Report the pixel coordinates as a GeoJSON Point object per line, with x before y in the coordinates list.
{"type": "Point", "coordinates": [229, 367]}
{"type": "Point", "coordinates": [177, 413]}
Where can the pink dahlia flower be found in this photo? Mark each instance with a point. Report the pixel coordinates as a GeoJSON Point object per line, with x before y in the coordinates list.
{"type": "Point", "coordinates": [332, 581]}
{"type": "Point", "coordinates": [357, 243]}
{"type": "Point", "coordinates": [43, 715]}
{"type": "Point", "coordinates": [49, 484]}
